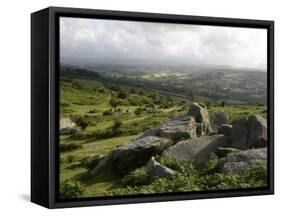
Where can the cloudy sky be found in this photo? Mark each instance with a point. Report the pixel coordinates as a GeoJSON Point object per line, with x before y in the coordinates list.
{"type": "Point", "coordinates": [171, 43]}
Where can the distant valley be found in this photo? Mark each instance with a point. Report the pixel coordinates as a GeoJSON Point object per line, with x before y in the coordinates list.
{"type": "Point", "coordinates": [196, 82]}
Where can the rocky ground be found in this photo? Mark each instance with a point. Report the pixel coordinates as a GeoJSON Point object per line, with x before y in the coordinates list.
{"type": "Point", "coordinates": [194, 137]}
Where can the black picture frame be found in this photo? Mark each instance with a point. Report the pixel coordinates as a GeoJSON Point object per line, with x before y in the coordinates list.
{"type": "Point", "coordinates": [45, 111]}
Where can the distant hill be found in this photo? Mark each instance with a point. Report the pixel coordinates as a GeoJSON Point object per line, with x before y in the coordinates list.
{"type": "Point", "coordinates": [210, 83]}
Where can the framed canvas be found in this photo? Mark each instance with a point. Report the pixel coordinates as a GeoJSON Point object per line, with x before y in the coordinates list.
{"type": "Point", "coordinates": [139, 107]}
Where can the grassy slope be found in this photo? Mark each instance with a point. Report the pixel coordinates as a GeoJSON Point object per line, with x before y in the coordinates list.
{"type": "Point", "coordinates": [80, 101]}
{"type": "Point", "coordinates": [77, 100]}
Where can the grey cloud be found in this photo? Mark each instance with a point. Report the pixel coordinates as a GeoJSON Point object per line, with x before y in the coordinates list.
{"type": "Point", "coordinates": [93, 38]}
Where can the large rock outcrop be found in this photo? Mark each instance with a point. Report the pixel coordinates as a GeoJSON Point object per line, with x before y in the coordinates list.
{"type": "Point", "coordinates": [225, 129]}
{"type": "Point", "coordinates": [200, 113]}
{"type": "Point", "coordinates": [257, 131]}
{"type": "Point", "coordinates": [137, 152]}
{"type": "Point", "coordinates": [103, 163]}
{"type": "Point", "coordinates": [235, 162]}
{"type": "Point", "coordinates": [250, 132]}
{"type": "Point", "coordinates": [217, 119]}
{"type": "Point", "coordinates": [178, 127]}
{"type": "Point", "coordinates": [156, 170]}
{"type": "Point", "coordinates": [196, 150]}
{"type": "Point", "coordinates": [150, 132]}
{"type": "Point", "coordinates": [239, 134]}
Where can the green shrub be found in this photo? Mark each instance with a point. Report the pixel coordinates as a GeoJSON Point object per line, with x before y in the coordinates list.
{"type": "Point", "coordinates": [63, 159]}
{"type": "Point", "coordinates": [114, 102]}
{"type": "Point", "coordinates": [211, 165]}
{"type": "Point", "coordinates": [191, 178]}
{"type": "Point", "coordinates": [69, 147]}
{"type": "Point", "coordinates": [177, 183]}
{"type": "Point", "coordinates": [92, 110]}
{"type": "Point", "coordinates": [117, 124]}
{"type": "Point", "coordinates": [135, 101]}
{"type": "Point", "coordinates": [219, 181]}
{"type": "Point", "coordinates": [252, 177]}
{"type": "Point", "coordinates": [122, 94]}
{"type": "Point", "coordinates": [256, 176]}
{"type": "Point", "coordinates": [136, 178]}
{"type": "Point", "coordinates": [133, 91]}
{"type": "Point", "coordinates": [138, 111]}
{"type": "Point", "coordinates": [64, 104]}
{"type": "Point", "coordinates": [181, 166]}
{"type": "Point", "coordinates": [71, 189]}
{"type": "Point", "coordinates": [90, 162]}
{"type": "Point", "coordinates": [110, 132]}
{"type": "Point", "coordinates": [82, 121]}
{"type": "Point", "coordinates": [107, 112]}
{"type": "Point", "coordinates": [70, 158]}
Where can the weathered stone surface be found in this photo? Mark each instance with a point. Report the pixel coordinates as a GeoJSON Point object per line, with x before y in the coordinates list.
{"type": "Point", "coordinates": [66, 123]}
{"type": "Point", "coordinates": [257, 131]}
{"type": "Point", "coordinates": [196, 150]}
{"type": "Point", "coordinates": [137, 152]}
{"type": "Point", "coordinates": [217, 119]}
{"type": "Point", "coordinates": [203, 129]}
{"type": "Point", "coordinates": [156, 170]}
{"type": "Point", "coordinates": [178, 128]}
{"type": "Point", "coordinates": [235, 162]}
{"type": "Point", "coordinates": [200, 113]}
{"type": "Point", "coordinates": [222, 152]}
{"type": "Point", "coordinates": [150, 132]}
{"type": "Point", "coordinates": [239, 134]}
{"type": "Point", "coordinates": [249, 132]}
{"type": "Point", "coordinates": [67, 127]}
{"type": "Point", "coordinates": [225, 129]}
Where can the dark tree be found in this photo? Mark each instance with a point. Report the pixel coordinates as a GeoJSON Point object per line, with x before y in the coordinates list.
{"type": "Point", "coordinates": [114, 102]}
{"type": "Point", "coordinates": [82, 122]}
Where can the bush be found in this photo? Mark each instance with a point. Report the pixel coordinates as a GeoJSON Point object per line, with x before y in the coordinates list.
{"type": "Point", "coordinates": [133, 91]}
{"type": "Point", "coordinates": [82, 121]}
{"type": "Point", "coordinates": [180, 166]}
{"type": "Point", "coordinates": [135, 101]}
{"type": "Point", "coordinates": [70, 158]}
{"type": "Point", "coordinates": [117, 124]}
{"type": "Point", "coordinates": [63, 160]}
{"type": "Point", "coordinates": [136, 178]}
{"type": "Point", "coordinates": [90, 162]}
{"type": "Point", "coordinates": [107, 112]}
{"type": "Point", "coordinates": [70, 147]}
{"type": "Point", "coordinates": [71, 189]}
{"type": "Point", "coordinates": [64, 104]}
{"type": "Point", "coordinates": [191, 178]}
{"type": "Point", "coordinates": [114, 102]}
{"type": "Point", "coordinates": [122, 94]}
{"type": "Point", "coordinates": [138, 111]}
{"type": "Point", "coordinates": [256, 176]}
{"type": "Point", "coordinates": [92, 110]}
{"type": "Point", "coordinates": [211, 165]}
